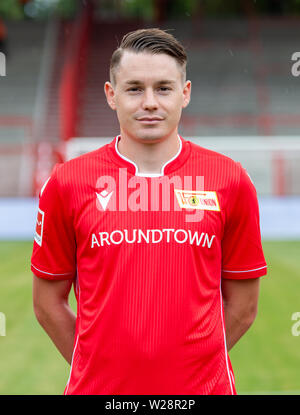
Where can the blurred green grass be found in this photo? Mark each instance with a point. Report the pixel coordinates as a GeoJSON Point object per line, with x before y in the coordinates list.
{"type": "Point", "coordinates": [265, 360]}
{"type": "Point", "coordinates": [30, 363]}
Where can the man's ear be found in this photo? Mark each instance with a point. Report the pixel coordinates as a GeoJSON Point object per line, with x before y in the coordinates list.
{"type": "Point", "coordinates": [187, 93]}
{"type": "Point", "coordinates": [110, 95]}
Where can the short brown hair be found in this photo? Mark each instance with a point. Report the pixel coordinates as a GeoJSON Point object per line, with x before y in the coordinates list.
{"type": "Point", "coordinates": [152, 41]}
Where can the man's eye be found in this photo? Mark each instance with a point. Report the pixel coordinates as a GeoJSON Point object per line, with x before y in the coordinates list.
{"type": "Point", "coordinates": [164, 89]}
{"type": "Point", "coordinates": [134, 89]}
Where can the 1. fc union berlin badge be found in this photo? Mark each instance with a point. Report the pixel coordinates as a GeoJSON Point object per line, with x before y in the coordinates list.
{"type": "Point", "coordinates": [193, 199]}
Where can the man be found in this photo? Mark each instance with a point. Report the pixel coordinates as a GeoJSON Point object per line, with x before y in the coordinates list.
{"type": "Point", "coordinates": [160, 237]}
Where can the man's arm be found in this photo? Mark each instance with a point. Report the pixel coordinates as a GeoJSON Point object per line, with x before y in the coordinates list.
{"type": "Point", "coordinates": [52, 310]}
{"type": "Point", "coordinates": [240, 299]}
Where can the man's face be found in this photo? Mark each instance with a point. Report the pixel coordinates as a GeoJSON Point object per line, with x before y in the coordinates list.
{"type": "Point", "coordinates": [148, 95]}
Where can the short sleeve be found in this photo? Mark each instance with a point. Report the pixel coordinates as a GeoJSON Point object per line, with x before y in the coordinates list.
{"type": "Point", "coordinates": [54, 248]}
{"type": "Point", "coordinates": [242, 253]}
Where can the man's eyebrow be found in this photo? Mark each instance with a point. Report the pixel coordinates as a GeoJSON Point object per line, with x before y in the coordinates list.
{"type": "Point", "coordinates": [161, 82]}
{"type": "Point", "coordinates": [133, 82]}
{"type": "Point", "coordinates": [166, 81]}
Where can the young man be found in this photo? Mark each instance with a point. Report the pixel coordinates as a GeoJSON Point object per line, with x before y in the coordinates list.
{"type": "Point", "coordinates": [160, 237]}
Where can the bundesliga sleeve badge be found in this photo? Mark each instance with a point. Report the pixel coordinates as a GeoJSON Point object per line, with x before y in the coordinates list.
{"type": "Point", "coordinates": [39, 227]}
{"type": "Point", "coordinates": [194, 199]}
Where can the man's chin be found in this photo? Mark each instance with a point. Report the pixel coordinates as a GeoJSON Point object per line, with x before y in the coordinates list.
{"type": "Point", "coordinates": [150, 135]}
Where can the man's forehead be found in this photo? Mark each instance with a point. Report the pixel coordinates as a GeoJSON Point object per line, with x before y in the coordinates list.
{"type": "Point", "coordinates": [144, 65]}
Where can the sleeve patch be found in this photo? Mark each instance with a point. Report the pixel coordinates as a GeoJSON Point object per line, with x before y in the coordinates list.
{"type": "Point", "coordinates": [39, 227]}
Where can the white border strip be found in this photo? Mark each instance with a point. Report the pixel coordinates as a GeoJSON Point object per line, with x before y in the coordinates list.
{"type": "Point", "coordinates": [225, 345]}
{"type": "Point", "coordinates": [49, 273]}
{"type": "Point", "coordinates": [68, 383]}
{"type": "Point", "coordinates": [148, 174]}
{"type": "Point", "coordinates": [173, 158]}
{"type": "Point", "coordinates": [249, 270]}
{"type": "Point", "coordinates": [77, 288]}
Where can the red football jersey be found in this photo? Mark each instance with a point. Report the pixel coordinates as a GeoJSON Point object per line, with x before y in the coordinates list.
{"type": "Point", "coordinates": [147, 254]}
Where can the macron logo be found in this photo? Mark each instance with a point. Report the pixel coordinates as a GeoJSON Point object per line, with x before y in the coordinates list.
{"type": "Point", "coordinates": [104, 198]}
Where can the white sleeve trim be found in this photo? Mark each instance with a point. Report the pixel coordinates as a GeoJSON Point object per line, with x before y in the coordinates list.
{"type": "Point", "coordinates": [249, 270]}
{"type": "Point", "coordinates": [49, 273]}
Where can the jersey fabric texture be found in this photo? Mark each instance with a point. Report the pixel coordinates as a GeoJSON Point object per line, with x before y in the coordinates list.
{"type": "Point", "coordinates": [147, 267]}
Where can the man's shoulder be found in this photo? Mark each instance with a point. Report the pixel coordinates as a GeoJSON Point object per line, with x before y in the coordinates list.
{"type": "Point", "coordinates": [97, 154]}
{"type": "Point", "coordinates": [215, 166]}
{"type": "Point", "coordinates": [199, 151]}
{"type": "Point", "coordinates": [83, 162]}
{"type": "Point", "coordinates": [213, 158]}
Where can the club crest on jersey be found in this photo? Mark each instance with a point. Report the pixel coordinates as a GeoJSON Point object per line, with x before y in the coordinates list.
{"type": "Point", "coordinates": [38, 237]}
{"type": "Point", "coordinates": [194, 199]}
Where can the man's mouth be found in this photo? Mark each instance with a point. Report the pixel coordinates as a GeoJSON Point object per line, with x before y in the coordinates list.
{"type": "Point", "coordinates": [149, 120]}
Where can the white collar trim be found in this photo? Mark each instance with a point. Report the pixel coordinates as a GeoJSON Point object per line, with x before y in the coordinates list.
{"type": "Point", "coordinates": [136, 167]}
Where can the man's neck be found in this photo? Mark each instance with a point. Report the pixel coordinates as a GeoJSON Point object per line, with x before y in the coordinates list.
{"type": "Point", "coordinates": [149, 157]}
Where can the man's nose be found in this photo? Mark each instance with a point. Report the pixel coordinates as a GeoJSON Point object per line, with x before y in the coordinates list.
{"type": "Point", "coordinates": [149, 101]}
